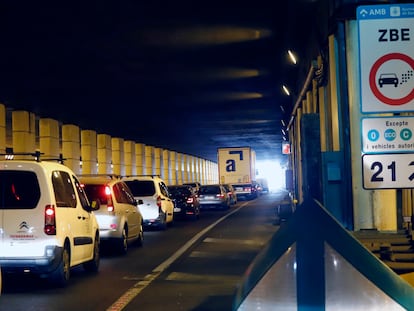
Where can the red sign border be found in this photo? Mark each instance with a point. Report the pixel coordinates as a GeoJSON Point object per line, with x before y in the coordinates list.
{"type": "Point", "coordinates": [373, 85]}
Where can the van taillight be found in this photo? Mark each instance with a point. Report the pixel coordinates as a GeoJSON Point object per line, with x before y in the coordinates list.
{"type": "Point", "coordinates": [50, 220]}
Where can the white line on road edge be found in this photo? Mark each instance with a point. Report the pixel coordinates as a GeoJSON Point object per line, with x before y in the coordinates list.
{"type": "Point", "coordinates": [131, 293]}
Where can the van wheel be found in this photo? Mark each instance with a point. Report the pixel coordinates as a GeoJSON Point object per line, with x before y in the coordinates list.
{"type": "Point", "coordinates": [61, 275]}
{"type": "Point", "coordinates": [93, 265]}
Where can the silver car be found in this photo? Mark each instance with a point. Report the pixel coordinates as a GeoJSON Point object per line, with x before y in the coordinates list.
{"type": "Point", "coordinates": [119, 218]}
{"type": "Point", "coordinates": [213, 196]}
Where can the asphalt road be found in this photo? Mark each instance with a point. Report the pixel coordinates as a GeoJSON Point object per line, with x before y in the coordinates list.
{"type": "Point", "coordinates": [193, 265]}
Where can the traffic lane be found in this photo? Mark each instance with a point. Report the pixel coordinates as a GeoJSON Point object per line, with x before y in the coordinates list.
{"type": "Point", "coordinates": [116, 275]}
{"type": "Point", "coordinates": [207, 275]}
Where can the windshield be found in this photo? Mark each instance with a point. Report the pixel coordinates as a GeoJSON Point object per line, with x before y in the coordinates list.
{"type": "Point", "coordinates": [141, 188]}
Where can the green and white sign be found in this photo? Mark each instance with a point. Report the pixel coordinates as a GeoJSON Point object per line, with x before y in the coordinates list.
{"type": "Point", "coordinates": [387, 134]}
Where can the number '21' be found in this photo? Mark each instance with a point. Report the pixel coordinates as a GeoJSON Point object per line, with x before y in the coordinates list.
{"type": "Point", "coordinates": [378, 168]}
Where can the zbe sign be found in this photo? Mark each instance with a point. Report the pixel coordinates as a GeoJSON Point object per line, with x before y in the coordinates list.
{"type": "Point", "coordinates": [386, 57]}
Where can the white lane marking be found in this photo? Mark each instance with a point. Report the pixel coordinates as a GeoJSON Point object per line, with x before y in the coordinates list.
{"type": "Point", "coordinates": [188, 277]}
{"type": "Point", "coordinates": [197, 254]}
{"type": "Point", "coordinates": [234, 241]}
{"type": "Point", "coordinates": [139, 286]}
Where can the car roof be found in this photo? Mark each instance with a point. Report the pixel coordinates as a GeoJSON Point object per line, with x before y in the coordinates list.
{"type": "Point", "coordinates": [211, 185]}
{"type": "Point", "coordinates": [180, 186]}
{"type": "Point", "coordinates": [142, 177]}
{"type": "Point", "coordinates": [46, 165]}
{"type": "Point", "coordinates": [99, 179]}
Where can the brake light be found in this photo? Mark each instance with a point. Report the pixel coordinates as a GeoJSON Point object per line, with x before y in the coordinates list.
{"type": "Point", "coordinates": [107, 190]}
{"type": "Point", "coordinates": [159, 205]}
{"type": "Point", "coordinates": [50, 220]}
{"type": "Point", "coordinates": [109, 204]}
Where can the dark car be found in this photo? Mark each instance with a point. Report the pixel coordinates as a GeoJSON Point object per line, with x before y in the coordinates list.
{"type": "Point", "coordinates": [247, 191]}
{"type": "Point", "coordinates": [196, 185]}
{"type": "Point", "coordinates": [186, 202]}
{"type": "Point", "coordinates": [213, 196]}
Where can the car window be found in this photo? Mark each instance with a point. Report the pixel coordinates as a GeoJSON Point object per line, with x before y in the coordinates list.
{"type": "Point", "coordinates": [96, 192]}
{"type": "Point", "coordinates": [180, 191]}
{"type": "Point", "coordinates": [209, 190]}
{"type": "Point", "coordinates": [141, 188]}
{"type": "Point", "coordinates": [19, 190]}
{"type": "Point", "coordinates": [128, 194]}
{"type": "Point", "coordinates": [164, 189]}
{"type": "Point", "coordinates": [81, 194]}
{"type": "Point", "coordinates": [118, 194]}
{"type": "Point", "coordinates": [63, 189]}
{"type": "Point", "coordinates": [122, 194]}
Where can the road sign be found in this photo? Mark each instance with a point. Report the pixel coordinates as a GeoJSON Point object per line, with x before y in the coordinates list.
{"type": "Point", "coordinates": [386, 57]}
{"type": "Point", "coordinates": [387, 134]}
{"type": "Point", "coordinates": [388, 171]}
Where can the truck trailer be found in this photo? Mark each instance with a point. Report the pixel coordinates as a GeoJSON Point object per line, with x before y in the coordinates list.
{"type": "Point", "coordinates": [237, 166]}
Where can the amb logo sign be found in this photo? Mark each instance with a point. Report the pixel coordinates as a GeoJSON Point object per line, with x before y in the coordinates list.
{"type": "Point", "coordinates": [386, 57]}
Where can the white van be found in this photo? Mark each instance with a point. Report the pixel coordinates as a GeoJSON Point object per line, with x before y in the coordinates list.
{"type": "Point", "coordinates": [47, 225]}
{"type": "Point", "coordinates": [154, 200]}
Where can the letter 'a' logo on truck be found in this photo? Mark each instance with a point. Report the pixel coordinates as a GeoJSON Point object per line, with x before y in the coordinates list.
{"type": "Point", "coordinates": [239, 152]}
{"type": "Point", "coordinates": [230, 166]}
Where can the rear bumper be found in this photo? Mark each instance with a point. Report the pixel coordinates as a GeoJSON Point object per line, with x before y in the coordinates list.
{"type": "Point", "coordinates": [108, 234]}
{"type": "Point", "coordinates": [36, 265]}
{"type": "Point", "coordinates": [183, 210]}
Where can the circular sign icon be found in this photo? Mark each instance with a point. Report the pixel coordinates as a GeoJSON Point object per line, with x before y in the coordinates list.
{"type": "Point", "coordinates": [406, 134]}
{"type": "Point", "coordinates": [390, 134]}
{"type": "Point", "coordinates": [373, 85]}
{"type": "Point", "coordinates": [373, 135]}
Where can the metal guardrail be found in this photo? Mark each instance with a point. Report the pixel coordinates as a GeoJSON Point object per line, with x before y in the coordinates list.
{"type": "Point", "coordinates": [315, 235]}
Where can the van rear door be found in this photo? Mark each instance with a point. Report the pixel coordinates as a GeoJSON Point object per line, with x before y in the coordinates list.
{"type": "Point", "coordinates": [21, 221]}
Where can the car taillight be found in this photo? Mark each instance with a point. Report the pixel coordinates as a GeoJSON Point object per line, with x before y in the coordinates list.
{"type": "Point", "coordinates": [50, 220]}
{"type": "Point", "coordinates": [109, 204]}
{"type": "Point", "coordinates": [190, 200]}
{"type": "Point", "coordinates": [159, 201]}
{"type": "Point", "coordinates": [220, 196]}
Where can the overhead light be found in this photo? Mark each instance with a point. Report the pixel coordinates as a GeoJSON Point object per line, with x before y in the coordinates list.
{"type": "Point", "coordinates": [292, 57]}
{"type": "Point", "coordinates": [286, 90]}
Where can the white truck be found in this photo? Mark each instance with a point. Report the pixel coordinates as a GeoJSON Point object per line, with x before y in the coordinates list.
{"type": "Point", "coordinates": [237, 166]}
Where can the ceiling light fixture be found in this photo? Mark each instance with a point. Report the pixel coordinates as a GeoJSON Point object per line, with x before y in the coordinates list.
{"type": "Point", "coordinates": [286, 90]}
{"type": "Point", "coordinates": [292, 57]}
